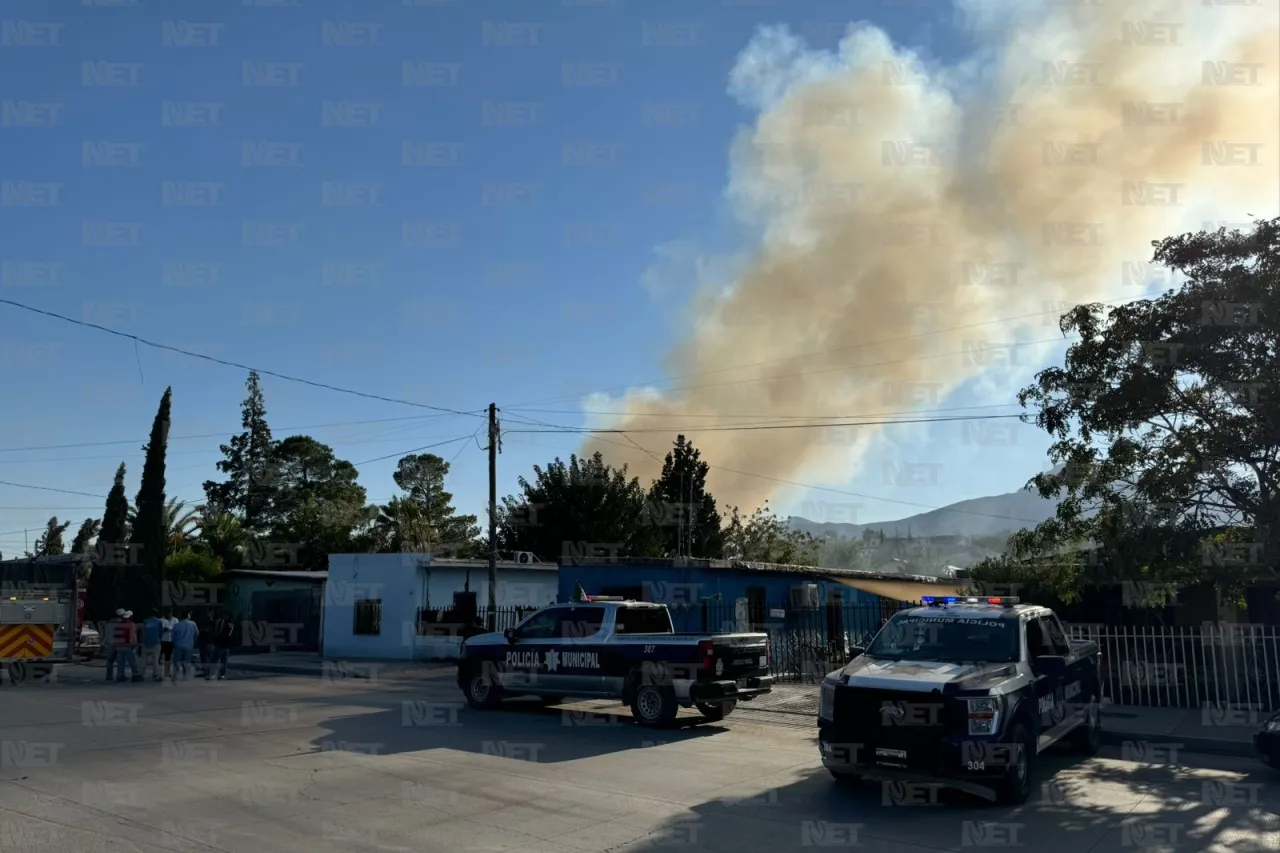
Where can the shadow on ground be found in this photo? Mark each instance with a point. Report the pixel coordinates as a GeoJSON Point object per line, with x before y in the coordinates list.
{"type": "Point", "coordinates": [1098, 804]}
{"type": "Point", "coordinates": [522, 730]}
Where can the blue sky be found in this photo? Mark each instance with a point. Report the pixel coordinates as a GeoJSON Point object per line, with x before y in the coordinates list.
{"type": "Point", "coordinates": [519, 276]}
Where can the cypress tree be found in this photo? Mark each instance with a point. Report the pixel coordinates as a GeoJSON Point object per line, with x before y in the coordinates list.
{"type": "Point", "coordinates": [250, 484]}
{"type": "Point", "coordinates": [150, 533]}
{"type": "Point", "coordinates": [102, 592]}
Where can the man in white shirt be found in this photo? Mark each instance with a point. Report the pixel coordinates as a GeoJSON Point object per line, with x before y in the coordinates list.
{"type": "Point", "coordinates": [166, 642]}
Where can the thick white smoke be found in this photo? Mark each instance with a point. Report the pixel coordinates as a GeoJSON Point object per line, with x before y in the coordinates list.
{"type": "Point", "coordinates": [895, 198]}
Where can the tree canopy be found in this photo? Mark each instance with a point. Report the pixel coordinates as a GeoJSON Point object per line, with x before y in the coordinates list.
{"type": "Point", "coordinates": [692, 527]}
{"type": "Point", "coordinates": [1165, 421]}
{"type": "Point", "coordinates": [583, 507]}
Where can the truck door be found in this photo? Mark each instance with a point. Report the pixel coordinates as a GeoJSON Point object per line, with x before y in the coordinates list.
{"type": "Point", "coordinates": [1073, 679]}
{"type": "Point", "coordinates": [578, 668]}
{"type": "Point", "coordinates": [1047, 684]}
{"type": "Point", "coordinates": [525, 663]}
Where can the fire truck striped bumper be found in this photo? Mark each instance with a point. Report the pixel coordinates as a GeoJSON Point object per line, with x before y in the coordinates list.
{"type": "Point", "coordinates": [26, 641]}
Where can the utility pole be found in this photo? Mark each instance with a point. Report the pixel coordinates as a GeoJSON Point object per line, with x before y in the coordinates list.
{"type": "Point", "coordinates": [495, 439]}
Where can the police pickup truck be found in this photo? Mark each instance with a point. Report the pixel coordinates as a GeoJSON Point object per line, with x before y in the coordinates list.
{"type": "Point", "coordinates": [616, 649]}
{"type": "Point", "coordinates": [962, 693]}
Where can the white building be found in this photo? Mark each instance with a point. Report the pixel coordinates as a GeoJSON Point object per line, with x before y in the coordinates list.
{"type": "Point", "coordinates": [373, 602]}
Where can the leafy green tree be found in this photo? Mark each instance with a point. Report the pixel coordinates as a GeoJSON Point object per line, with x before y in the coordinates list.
{"type": "Point", "coordinates": [316, 502]}
{"type": "Point", "coordinates": [250, 485]}
{"type": "Point", "coordinates": [85, 535]}
{"type": "Point", "coordinates": [694, 527]}
{"type": "Point", "coordinates": [1164, 422]}
{"type": "Point", "coordinates": [424, 519]}
{"type": "Point", "coordinates": [765, 538]}
{"type": "Point", "coordinates": [141, 586]}
{"type": "Point", "coordinates": [575, 506]}
{"type": "Point", "coordinates": [50, 543]}
{"type": "Point", "coordinates": [102, 592]}
{"type": "Point", "coordinates": [191, 566]}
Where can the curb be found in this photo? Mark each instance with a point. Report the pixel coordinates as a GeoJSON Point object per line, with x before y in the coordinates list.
{"type": "Point", "coordinates": [315, 671]}
{"type": "Point", "coordinates": [1207, 745]}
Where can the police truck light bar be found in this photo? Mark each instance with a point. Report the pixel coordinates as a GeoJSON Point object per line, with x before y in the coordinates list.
{"type": "Point", "coordinates": [1002, 600]}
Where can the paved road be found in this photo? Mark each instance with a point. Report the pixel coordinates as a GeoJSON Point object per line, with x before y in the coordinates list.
{"type": "Point", "coordinates": [288, 765]}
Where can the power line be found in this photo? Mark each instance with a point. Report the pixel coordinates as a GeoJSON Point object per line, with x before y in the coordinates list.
{"type": "Point", "coordinates": [51, 489]}
{"type": "Point", "coordinates": [209, 358]}
{"type": "Point", "coordinates": [404, 453]}
{"type": "Point", "coordinates": [758, 417]}
{"type": "Point", "coordinates": [696, 429]}
{"type": "Point", "coordinates": [222, 434]}
{"type": "Point", "coordinates": [813, 354]}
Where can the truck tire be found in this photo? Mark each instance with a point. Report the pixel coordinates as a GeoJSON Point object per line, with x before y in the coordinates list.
{"type": "Point", "coordinates": [1014, 789]}
{"type": "Point", "coordinates": [654, 706]}
{"type": "Point", "coordinates": [1087, 738]}
{"type": "Point", "coordinates": [716, 711]}
{"type": "Point", "coordinates": [482, 693]}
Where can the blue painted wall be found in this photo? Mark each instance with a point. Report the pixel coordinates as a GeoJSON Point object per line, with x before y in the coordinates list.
{"type": "Point", "coordinates": [681, 589]}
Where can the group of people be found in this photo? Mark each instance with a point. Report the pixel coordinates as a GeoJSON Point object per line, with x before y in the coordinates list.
{"type": "Point", "coordinates": [166, 646]}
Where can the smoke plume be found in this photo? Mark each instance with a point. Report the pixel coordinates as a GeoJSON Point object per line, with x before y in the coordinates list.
{"type": "Point", "coordinates": [902, 206]}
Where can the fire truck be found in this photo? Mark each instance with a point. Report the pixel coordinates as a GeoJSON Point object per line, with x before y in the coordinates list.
{"type": "Point", "coordinates": [39, 614]}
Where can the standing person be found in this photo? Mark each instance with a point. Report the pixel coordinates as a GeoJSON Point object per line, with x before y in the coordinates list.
{"type": "Point", "coordinates": [108, 640]}
{"type": "Point", "coordinates": [166, 641]}
{"type": "Point", "coordinates": [151, 629]}
{"type": "Point", "coordinates": [125, 639]}
{"type": "Point", "coordinates": [224, 637]}
{"type": "Point", "coordinates": [185, 634]}
{"type": "Point", "coordinates": [207, 649]}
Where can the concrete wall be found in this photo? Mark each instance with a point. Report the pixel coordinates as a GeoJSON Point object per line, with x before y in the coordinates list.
{"type": "Point", "coordinates": [405, 583]}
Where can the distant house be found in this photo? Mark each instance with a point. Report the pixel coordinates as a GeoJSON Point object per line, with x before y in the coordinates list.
{"type": "Point", "coordinates": [705, 594]}
{"type": "Point", "coordinates": [415, 606]}
{"type": "Point", "coordinates": [277, 610]}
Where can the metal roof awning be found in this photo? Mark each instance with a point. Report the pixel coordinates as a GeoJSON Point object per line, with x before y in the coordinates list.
{"type": "Point", "coordinates": [901, 590]}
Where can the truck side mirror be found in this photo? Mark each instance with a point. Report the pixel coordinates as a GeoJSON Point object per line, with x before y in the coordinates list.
{"type": "Point", "coordinates": [510, 634]}
{"type": "Point", "coordinates": [855, 651]}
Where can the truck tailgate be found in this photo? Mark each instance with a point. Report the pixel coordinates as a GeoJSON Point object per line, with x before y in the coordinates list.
{"type": "Point", "coordinates": [740, 655]}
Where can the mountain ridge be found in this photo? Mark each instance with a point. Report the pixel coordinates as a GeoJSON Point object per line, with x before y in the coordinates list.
{"type": "Point", "coordinates": [982, 516]}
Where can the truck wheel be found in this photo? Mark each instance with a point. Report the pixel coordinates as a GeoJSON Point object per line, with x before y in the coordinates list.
{"type": "Point", "coordinates": [17, 672]}
{"type": "Point", "coordinates": [654, 706]}
{"type": "Point", "coordinates": [716, 711]}
{"type": "Point", "coordinates": [1087, 738]}
{"type": "Point", "coordinates": [482, 693]}
{"type": "Point", "coordinates": [1015, 788]}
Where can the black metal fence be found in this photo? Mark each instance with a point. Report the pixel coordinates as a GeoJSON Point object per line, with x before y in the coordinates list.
{"type": "Point", "coordinates": [804, 643]}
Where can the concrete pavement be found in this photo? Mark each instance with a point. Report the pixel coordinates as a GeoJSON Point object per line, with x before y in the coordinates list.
{"type": "Point", "coordinates": [292, 764]}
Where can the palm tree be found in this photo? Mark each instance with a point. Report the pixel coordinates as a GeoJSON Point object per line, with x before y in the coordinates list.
{"type": "Point", "coordinates": [221, 535]}
{"type": "Point", "coordinates": [180, 524]}
{"type": "Point", "coordinates": [402, 527]}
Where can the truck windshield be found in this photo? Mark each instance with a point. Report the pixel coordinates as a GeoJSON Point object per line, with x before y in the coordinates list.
{"type": "Point", "coordinates": [643, 620]}
{"type": "Point", "coordinates": [947, 638]}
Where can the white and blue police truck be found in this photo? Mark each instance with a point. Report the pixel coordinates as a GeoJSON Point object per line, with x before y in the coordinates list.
{"type": "Point", "coordinates": [964, 693]}
{"type": "Point", "coordinates": [609, 648]}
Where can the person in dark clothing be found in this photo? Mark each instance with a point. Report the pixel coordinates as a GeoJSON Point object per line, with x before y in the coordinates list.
{"type": "Point", "coordinates": [206, 624]}
{"type": "Point", "coordinates": [224, 636]}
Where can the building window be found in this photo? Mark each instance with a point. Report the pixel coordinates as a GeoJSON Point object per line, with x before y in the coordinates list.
{"type": "Point", "coordinates": [368, 617]}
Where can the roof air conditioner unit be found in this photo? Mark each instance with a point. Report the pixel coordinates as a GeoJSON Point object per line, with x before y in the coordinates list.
{"type": "Point", "coordinates": [525, 558]}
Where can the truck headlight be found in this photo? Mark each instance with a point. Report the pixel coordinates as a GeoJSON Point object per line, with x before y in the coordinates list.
{"type": "Point", "coordinates": [1274, 725]}
{"type": "Point", "coordinates": [827, 701]}
{"type": "Point", "coordinates": [984, 715]}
